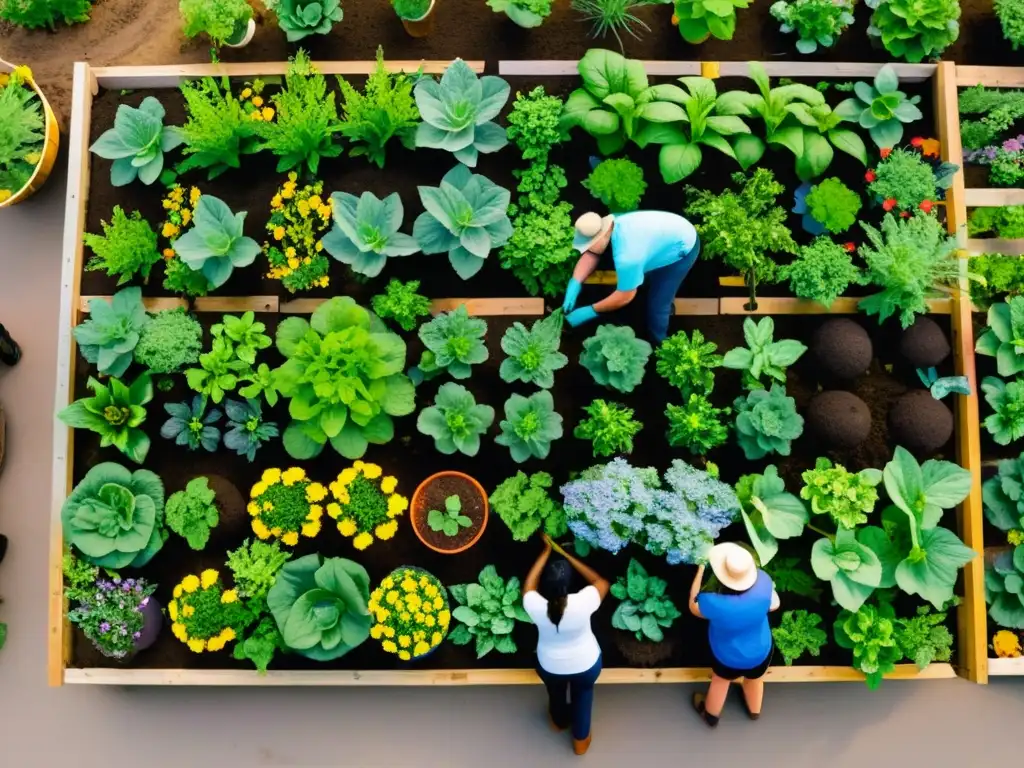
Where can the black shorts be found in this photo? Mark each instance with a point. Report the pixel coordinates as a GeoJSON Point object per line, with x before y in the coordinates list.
{"type": "Point", "coordinates": [731, 673]}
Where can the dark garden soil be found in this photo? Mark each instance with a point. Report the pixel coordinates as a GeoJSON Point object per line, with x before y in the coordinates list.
{"type": "Point", "coordinates": [434, 496]}
{"type": "Point", "coordinates": [411, 457]}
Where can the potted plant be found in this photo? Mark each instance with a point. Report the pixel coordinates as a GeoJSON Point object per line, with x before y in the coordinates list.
{"type": "Point", "coordinates": [225, 22]}
{"type": "Point", "coordinates": [433, 501]}
{"type": "Point", "coordinates": [27, 163]}
{"type": "Point", "coordinates": [397, 605]}
{"type": "Point", "coordinates": [120, 617]}
{"type": "Point", "coordinates": [417, 16]}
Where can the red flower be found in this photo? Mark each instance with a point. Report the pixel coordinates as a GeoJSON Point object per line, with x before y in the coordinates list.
{"type": "Point", "coordinates": [889, 204]}
{"type": "Point", "coordinates": [904, 214]}
{"type": "Point", "coordinates": [850, 247]}
{"type": "Point", "coordinates": [870, 175]}
{"type": "Point", "coordinates": [917, 141]}
{"type": "Point", "coordinates": [885, 152]}
{"type": "Point", "coordinates": [926, 206]}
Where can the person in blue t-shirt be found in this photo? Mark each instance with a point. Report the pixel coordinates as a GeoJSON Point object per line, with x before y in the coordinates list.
{"type": "Point", "coordinates": [738, 631]}
{"type": "Point", "coordinates": [652, 247]}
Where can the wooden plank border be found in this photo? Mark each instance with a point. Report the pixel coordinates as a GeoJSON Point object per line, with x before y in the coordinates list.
{"type": "Point", "coordinates": [990, 198]}
{"type": "Point", "coordinates": [844, 305]}
{"type": "Point", "coordinates": [568, 68]}
{"type": "Point", "coordinates": [978, 246]}
{"type": "Point", "coordinates": [993, 77]}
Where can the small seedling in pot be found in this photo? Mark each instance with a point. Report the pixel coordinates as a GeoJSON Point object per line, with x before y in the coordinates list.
{"type": "Point", "coordinates": [451, 521]}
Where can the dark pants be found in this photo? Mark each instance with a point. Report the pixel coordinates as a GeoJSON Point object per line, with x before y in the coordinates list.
{"type": "Point", "coordinates": [571, 698]}
{"type": "Point", "coordinates": [662, 287]}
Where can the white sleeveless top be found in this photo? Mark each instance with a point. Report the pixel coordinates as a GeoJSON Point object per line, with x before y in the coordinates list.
{"type": "Point", "coordinates": [569, 648]}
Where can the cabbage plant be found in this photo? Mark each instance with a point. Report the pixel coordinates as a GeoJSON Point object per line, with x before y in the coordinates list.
{"type": "Point", "coordinates": [365, 232]}
{"type": "Point", "coordinates": [109, 337]}
{"type": "Point", "coordinates": [137, 143]}
{"type": "Point", "coordinates": [302, 18]}
{"type": "Point", "coordinates": [530, 425]}
{"type": "Point", "coordinates": [215, 244]}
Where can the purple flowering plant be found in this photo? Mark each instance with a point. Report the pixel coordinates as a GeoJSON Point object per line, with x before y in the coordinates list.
{"type": "Point", "coordinates": [107, 608]}
{"type": "Point", "coordinates": [615, 504]}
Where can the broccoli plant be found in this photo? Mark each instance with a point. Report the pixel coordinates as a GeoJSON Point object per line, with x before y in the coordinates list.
{"type": "Point", "coordinates": [115, 413]}
{"type": "Point", "coordinates": [530, 425]}
{"type": "Point", "coordinates": [610, 427]}
{"type": "Point", "coordinates": [768, 512]}
{"type": "Point", "coordinates": [1006, 423]}
{"type": "Point", "coordinates": [797, 634]}
{"type": "Point", "coordinates": [847, 497]}
{"type": "Point", "coordinates": [615, 357]}
{"type": "Point", "coordinates": [191, 425]}
{"type": "Point", "coordinates": [171, 340]}
{"type": "Point", "coordinates": [524, 504]}
{"type": "Point", "coordinates": [696, 426]}
{"type": "Point", "coordinates": [533, 355]}
{"type": "Point", "coordinates": [487, 612]}
{"type": "Point", "coordinates": [870, 633]}
{"type": "Point", "coordinates": [1004, 338]}
{"type": "Point", "coordinates": [451, 520]}
{"type": "Point", "coordinates": [645, 609]}
{"type": "Point", "coordinates": [454, 343]}
{"type": "Point", "coordinates": [764, 355]}
{"type": "Point", "coordinates": [767, 422]}
{"type": "Point", "coordinates": [109, 337]}
{"type": "Point", "coordinates": [455, 420]}
{"type": "Point", "coordinates": [401, 302]}
{"type": "Point", "coordinates": [688, 362]}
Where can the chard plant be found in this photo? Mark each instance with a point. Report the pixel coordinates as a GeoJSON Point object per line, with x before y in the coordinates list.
{"type": "Point", "coordinates": [610, 427]}
{"type": "Point", "coordinates": [797, 634]}
{"type": "Point", "coordinates": [524, 504]}
{"type": "Point", "coordinates": [246, 430]}
{"type": "Point", "coordinates": [769, 512]}
{"type": "Point", "coordinates": [455, 420]}
{"type": "Point", "coordinates": [767, 422]}
{"type": "Point", "coordinates": [114, 412]}
{"type": "Point", "coordinates": [465, 217]}
{"type": "Point", "coordinates": [218, 131]}
{"type": "Point", "coordinates": [1004, 337]}
{"type": "Point", "coordinates": [192, 513]}
{"type": "Point", "coordinates": [530, 425]}
{"type": "Point", "coordinates": [126, 248]}
{"type": "Point", "coordinates": [401, 303]}
{"type": "Point", "coordinates": [487, 612]}
{"type": "Point", "coordinates": [696, 426]}
{"type": "Point", "coordinates": [615, 357]}
{"type": "Point", "coordinates": [815, 22]}
{"type": "Point", "coordinates": [881, 107]}
{"type": "Point", "coordinates": [454, 343]}
{"type": "Point", "coordinates": [137, 143]}
{"type": "Point", "coordinates": [365, 233]}
{"type": "Point", "coordinates": [191, 425]}
{"type": "Point", "coordinates": [458, 113]}
{"type": "Point", "coordinates": [644, 609]}
{"type": "Point", "coordinates": [533, 355]}
{"type": "Point", "coordinates": [215, 244]}
{"type": "Point", "coordinates": [764, 356]}
{"type": "Point", "coordinates": [301, 18]}
{"type": "Point", "coordinates": [109, 337]}
{"type": "Point", "coordinates": [1006, 399]}
{"type": "Point", "coordinates": [688, 362]}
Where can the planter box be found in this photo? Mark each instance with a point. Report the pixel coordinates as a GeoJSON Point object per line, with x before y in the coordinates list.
{"type": "Point", "coordinates": [87, 80]}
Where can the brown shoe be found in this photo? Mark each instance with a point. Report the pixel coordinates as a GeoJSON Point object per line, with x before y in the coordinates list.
{"type": "Point", "coordinates": [580, 746]}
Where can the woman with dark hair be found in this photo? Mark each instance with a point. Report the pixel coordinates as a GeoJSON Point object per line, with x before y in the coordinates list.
{"type": "Point", "coordinates": [568, 656]}
{"type": "Point", "coordinates": [738, 631]}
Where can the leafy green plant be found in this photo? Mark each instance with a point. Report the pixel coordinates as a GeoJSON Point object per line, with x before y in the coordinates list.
{"type": "Point", "coordinates": [365, 233]}
{"type": "Point", "coordinates": [847, 497]}
{"type": "Point", "coordinates": [645, 609]}
{"type": "Point", "coordinates": [451, 520]}
{"type": "Point", "coordinates": [696, 426]}
{"type": "Point", "coordinates": [115, 517]}
{"type": "Point", "coordinates": [114, 412]}
{"type": "Point", "coordinates": [259, 381]}
{"type": "Point", "coordinates": [246, 335]}
{"type": "Point", "coordinates": [36, 14]}
{"type": "Point", "coordinates": [170, 340]}
{"type": "Point", "coordinates": [764, 355]}
{"type": "Point", "coordinates": [21, 133]}
{"type": "Point", "coordinates": [191, 425]}
{"type": "Point", "coordinates": [610, 427]}
{"type": "Point", "coordinates": [534, 123]}
{"type": "Point", "coordinates": [822, 272]}
{"type": "Point", "coordinates": [306, 117]}
{"type": "Point", "coordinates": [915, 29]}
{"type": "Point", "coordinates": [742, 228]}
{"type": "Point", "coordinates": [618, 183]}
{"type": "Point", "coordinates": [192, 514]}
{"type": "Point", "coordinates": [524, 504]}
{"type": "Point", "coordinates": [218, 131]}
{"type": "Point", "coordinates": [816, 22]}
{"type": "Point", "coordinates": [215, 244]}
{"type": "Point", "coordinates": [1011, 18]}
{"type": "Point", "coordinates": [465, 217]}
{"type": "Point", "coordinates": [924, 638]}
{"type": "Point", "coordinates": [385, 110]}
{"type": "Point", "coordinates": [302, 18]}
{"type": "Point", "coordinates": [137, 143]}
{"type": "Point", "coordinates": [699, 20]}
{"type": "Point", "coordinates": [768, 512]}
{"type": "Point", "coordinates": [1006, 221]}
{"type": "Point", "coordinates": [255, 566]}
{"type": "Point", "coordinates": [767, 422]}
{"type": "Point", "coordinates": [525, 13]}
{"type": "Point", "coordinates": [412, 10]}
{"type": "Point", "coordinates": [789, 576]}
{"type": "Point", "coordinates": [530, 425]}
{"type": "Point", "coordinates": [126, 248]}
{"type": "Point", "coordinates": [615, 357]}
{"type": "Point", "coordinates": [909, 259]}
{"type": "Point", "coordinates": [401, 302]}
{"type": "Point", "coordinates": [1003, 495]}
{"type": "Point", "coordinates": [833, 205]}
{"type": "Point", "coordinates": [247, 430]}
{"type": "Point", "coordinates": [1004, 588]}
{"type": "Point", "coordinates": [223, 21]}
{"type": "Point", "coordinates": [487, 613]}
{"type": "Point", "coordinates": [218, 372]}
{"type": "Point", "coordinates": [881, 107]}
{"type": "Point", "coordinates": [688, 362]}
{"type": "Point", "coordinates": [109, 337]}
{"type": "Point", "coordinates": [455, 421]}
{"type": "Point", "coordinates": [1004, 338]}
{"type": "Point", "coordinates": [533, 355]}
{"type": "Point", "coordinates": [996, 276]}
{"type": "Point", "coordinates": [615, 16]}
{"type": "Point", "coordinates": [851, 566]}
{"type": "Point", "coordinates": [454, 343]}
{"type": "Point", "coordinates": [870, 633]}
{"type": "Point", "coordinates": [343, 376]}
{"type": "Point", "coordinates": [320, 606]}
{"type": "Point", "coordinates": [259, 644]}
{"type": "Point", "coordinates": [797, 634]}
{"type": "Point", "coordinates": [904, 182]}
{"type": "Point", "coordinates": [1006, 399]}
{"type": "Point", "coordinates": [458, 113]}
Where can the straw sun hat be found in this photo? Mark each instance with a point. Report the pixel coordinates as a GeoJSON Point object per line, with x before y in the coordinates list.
{"type": "Point", "coordinates": [589, 228]}
{"type": "Point", "coordinates": [733, 566]}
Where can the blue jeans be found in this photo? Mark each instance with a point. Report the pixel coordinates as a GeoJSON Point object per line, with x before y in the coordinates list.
{"type": "Point", "coordinates": [662, 287]}
{"type": "Point", "coordinates": [571, 698]}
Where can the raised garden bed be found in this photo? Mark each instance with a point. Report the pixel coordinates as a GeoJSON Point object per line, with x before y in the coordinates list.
{"type": "Point", "coordinates": [497, 296]}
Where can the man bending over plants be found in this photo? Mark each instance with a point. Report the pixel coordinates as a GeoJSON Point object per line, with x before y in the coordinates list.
{"type": "Point", "coordinates": [655, 247]}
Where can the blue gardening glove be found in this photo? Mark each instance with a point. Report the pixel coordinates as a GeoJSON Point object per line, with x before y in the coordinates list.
{"type": "Point", "coordinates": [580, 316]}
{"type": "Point", "coordinates": [572, 293]}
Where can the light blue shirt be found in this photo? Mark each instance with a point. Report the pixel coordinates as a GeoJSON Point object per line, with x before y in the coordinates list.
{"type": "Point", "coordinates": [738, 630]}
{"type": "Point", "coordinates": [643, 241]}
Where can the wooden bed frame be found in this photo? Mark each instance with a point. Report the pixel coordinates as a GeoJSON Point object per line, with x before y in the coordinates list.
{"type": "Point", "coordinates": [971, 662]}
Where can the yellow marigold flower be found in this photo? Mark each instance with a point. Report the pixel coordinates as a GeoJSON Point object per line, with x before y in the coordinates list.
{"type": "Point", "coordinates": [293, 475]}
{"type": "Point", "coordinates": [293, 263]}
{"type": "Point", "coordinates": [196, 645]}
{"type": "Point", "coordinates": [429, 620]}
{"type": "Point", "coordinates": [178, 590]}
{"type": "Point", "coordinates": [428, 607]}
{"type": "Point", "coordinates": [385, 531]}
{"type": "Point", "coordinates": [169, 230]}
{"type": "Point", "coordinates": [289, 252]}
{"type": "Point", "coordinates": [276, 202]}
{"type": "Point", "coordinates": [310, 530]}
{"type": "Point", "coordinates": [287, 193]}
{"type": "Point", "coordinates": [404, 640]}
{"type": "Point", "coordinates": [421, 648]}
{"type": "Point", "coordinates": [187, 611]}
{"type": "Point", "coordinates": [209, 577]}
{"type": "Point", "coordinates": [278, 233]}
{"type": "Point", "coordinates": [315, 492]}
{"type": "Point", "coordinates": [430, 590]}
{"type": "Point", "coordinates": [362, 541]}
{"type": "Point", "coordinates": [388, 484]}
{"type": "Point", "coordinates": [420, 618]}
{"type": "Point", "coordinates": [268, 507]}
{"type": "Point", "coordinates": [1015, 537]}
{"type": "Point", "coordinates": [405, 616]}
{"type": "Point", "coordinates": [255, 115]}
{"type": "Point", "coordinates": [315, 513]}
{"type": "Point", "coordinates": [347, 527]}
{"type": "Point", "coordinates": [291, 538]}
{"type": "Point", "coordinates": [276, 531]}
{"type": "Point", "coordinates": [257, 101]}
{"type": "Point", "coordinates": [389, 631]}
{"type": "Point", "coordinates": [1006, 644]}
{"type": "Point", "coordinates": [190, 583]}
{"type": "Point", "coordinates": [397, 505]}
{"type": "Point", "coordinates": [186, 215]}
{"type": "Point", "coordinates": [324, 281]}
{"type": "Point", "coordinates": [227, 634]}
{"type": "Point", "coordinates": [271, 476]}
{"type": "Point", "coordinates": [303, 208]}
{"type": "Point", "coordinates": [413, 601]}
{"type": "Point", "coordinates": [315, 201]}
{"type": "Point", "coordinates": [439, 602]}
{"type": "Point", "coordinates": [260, 529]}
{"type": "Point", "coordinates": [382, 615]}
{"type": "Point", "coordinates": [229, 596]}
{"type": "Point", "coordinates": [179, 631]}
{"type": "Point", "coordinates": [408, 584]}
{"type": "Point", "coordinates": [418, 635]}
{"type": "Point", "coordinates": [172, 610]}
{"type": "Point", "coordinates": [214, 644]}
{"type": "Point", "coordinates": [347, 476]}
{"type": "Point", "coordinates": [377, 631]}
{"type": "Point", "coordinates": [371, 471]}
{"type": "Point", "coordinates": [333, 509]}
{"type": "Point", "coordinates": [436, 638]}
{"type": "Point", "coordinates": [444, 617]}
{"type": "Point", "coordinates": [389, 646]}
{"type": "Point", "coordinates": [268, 113]}
{"type": "Point", "coordinates": [32, 158]}
{"type": "Point", "coordinates": [245, 94]}
{"type": "Point", "coordinates": [193, 195]}
{"type": "Point", "coordinates": [307, 260]}
{"type": "Point", "coordinates": [258, 490]}
{"type": "Point", "coordinates": [168, 253]}
{"type": "Point", "coordinates": [404, 655]}
{"type": "Point", "coordinates": [388, 582]}
{"type": "Point", "coordinates": [391, 597]}
{"type": "Point", "coordinates": [293, 177]}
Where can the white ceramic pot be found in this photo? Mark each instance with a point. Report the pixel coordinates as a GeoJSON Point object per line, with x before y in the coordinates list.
{"type": "Point", "coordinates": [246, 37]}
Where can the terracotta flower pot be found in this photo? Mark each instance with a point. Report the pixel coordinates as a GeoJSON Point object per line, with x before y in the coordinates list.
{"type": "Point", "coordinates": [48, 152]}
{"type": "Point", "coordinates": [431, 494]}
{"type": "Point", "coordinates": [422, 26]}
